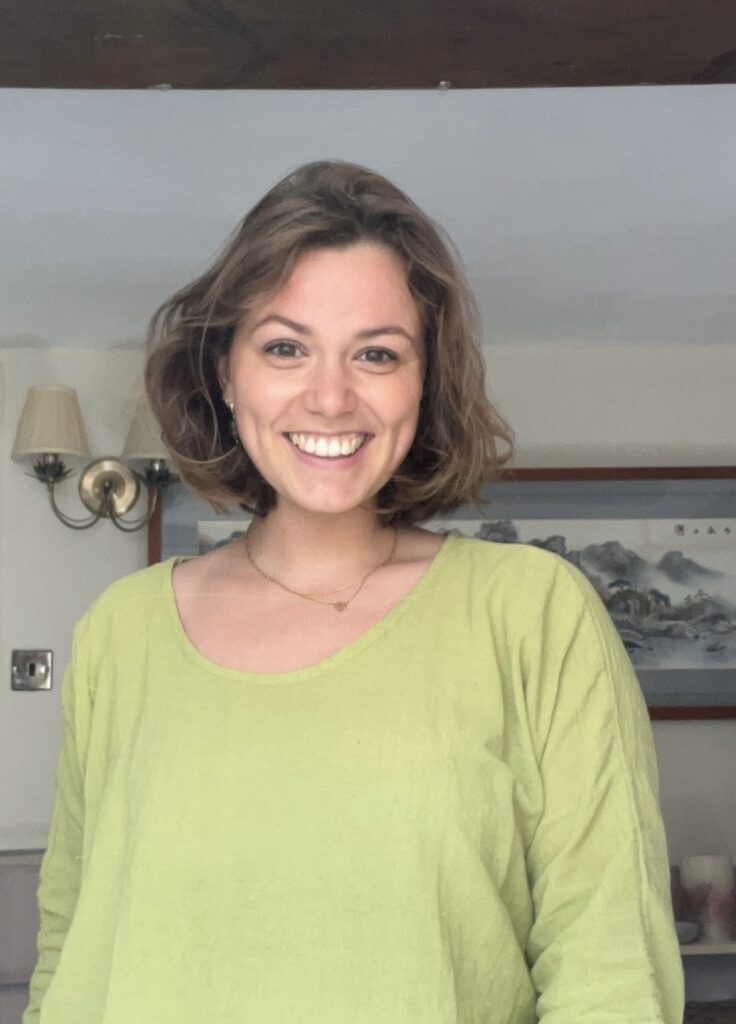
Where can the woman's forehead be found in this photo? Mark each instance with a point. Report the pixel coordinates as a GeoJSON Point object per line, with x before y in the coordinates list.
{"type": "Point", "coordinates": [364, 280]}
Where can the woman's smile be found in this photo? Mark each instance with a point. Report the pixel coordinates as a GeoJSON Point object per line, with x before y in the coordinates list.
{"type": "Point", "coordinates": [343, 450]}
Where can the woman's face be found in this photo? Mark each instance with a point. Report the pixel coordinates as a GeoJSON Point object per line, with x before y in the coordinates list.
{"type": "Point", "coordinates": [327, 378]}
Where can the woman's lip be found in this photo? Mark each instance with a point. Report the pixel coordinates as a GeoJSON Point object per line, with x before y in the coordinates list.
{"type": "Point", "coordinates": [337, 433]}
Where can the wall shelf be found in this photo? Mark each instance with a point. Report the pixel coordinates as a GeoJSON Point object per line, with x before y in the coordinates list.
{"type": "Point", "coordinates": [709, 949]}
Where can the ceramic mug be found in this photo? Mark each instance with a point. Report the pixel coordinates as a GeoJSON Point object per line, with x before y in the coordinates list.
{"type": "Point", "coordinates": [708, 879]}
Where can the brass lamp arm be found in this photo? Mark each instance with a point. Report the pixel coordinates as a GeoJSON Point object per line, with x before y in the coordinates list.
{"type": "Point", "coordinates": [130, 526]}
{"type": "Point", "coordinates": [75, 524]}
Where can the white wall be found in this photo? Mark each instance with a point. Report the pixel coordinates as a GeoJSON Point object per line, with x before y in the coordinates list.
{"type": "Point", "coordinates": [51, 573]}
{"type": "Point", "coordinates": [617, 405]}
{"type": "Point", "coordinates": [626, 406]}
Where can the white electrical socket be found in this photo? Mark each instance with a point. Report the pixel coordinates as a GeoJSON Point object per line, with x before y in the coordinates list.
{"type": "Point", "coordinates": [31, 670]}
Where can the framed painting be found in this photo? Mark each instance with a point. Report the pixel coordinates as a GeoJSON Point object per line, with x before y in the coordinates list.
{"type": "Point", "coordinates": [658, 544]}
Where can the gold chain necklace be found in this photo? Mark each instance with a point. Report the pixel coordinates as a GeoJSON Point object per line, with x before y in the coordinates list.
{"type": "Point", "coordinates": [339, 606]}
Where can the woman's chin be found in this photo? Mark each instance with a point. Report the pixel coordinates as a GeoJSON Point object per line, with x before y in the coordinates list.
{"type": "Point", "coordinates": [320, 502]}
{"type": "Point", "coordinates": [327, 508]}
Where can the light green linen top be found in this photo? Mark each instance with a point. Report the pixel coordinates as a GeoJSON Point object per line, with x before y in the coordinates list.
{"type": "Point", "coordinates": [453, 820]}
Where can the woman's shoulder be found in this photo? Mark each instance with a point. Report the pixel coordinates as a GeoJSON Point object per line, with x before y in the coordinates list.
{"type": "Point", "coordinates": [517, 575]}
{"type": "Point", "coordinates": [502, 557]}
{"type": "Point", "coordinates": [135, 592]}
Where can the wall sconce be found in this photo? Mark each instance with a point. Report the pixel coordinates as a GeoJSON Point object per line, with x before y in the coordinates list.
{"type": "Point", "coordinates": [51, 425]}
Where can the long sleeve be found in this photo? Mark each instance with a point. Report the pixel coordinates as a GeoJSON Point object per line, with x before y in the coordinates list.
{"type": "Point", "coordinates": [602, 949]}
{"type": "Point", "coordinates": [61, 867]}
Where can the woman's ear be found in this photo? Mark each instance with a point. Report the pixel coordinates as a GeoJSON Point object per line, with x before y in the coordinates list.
{"type": "Point", "coordinates": [222, 368]}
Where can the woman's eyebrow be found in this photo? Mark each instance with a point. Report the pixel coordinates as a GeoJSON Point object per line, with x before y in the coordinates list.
{"type": "Point", "coordinates": [374, 332]}
{"type": "Point", "coordinates": [292, 324]}
{"type": "Point", "coordinates": [370, 332]}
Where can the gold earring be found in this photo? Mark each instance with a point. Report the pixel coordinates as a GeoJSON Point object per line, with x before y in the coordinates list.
{"type": "Point", "coordinates": [233, 425]}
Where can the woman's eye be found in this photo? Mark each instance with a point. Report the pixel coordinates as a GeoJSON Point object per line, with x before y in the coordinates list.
{"type": "Point", "coordinates": [379, 356]}
{"type": "Point", "coordinates": [282, 348]}
{"type": "Point", "coordinates": [290, 350]}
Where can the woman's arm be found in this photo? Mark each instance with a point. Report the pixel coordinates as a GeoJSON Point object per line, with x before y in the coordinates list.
{"type": "Point", "coordinates": [61, 866]}
{"type": "Point", "coordinates": [603, 948]}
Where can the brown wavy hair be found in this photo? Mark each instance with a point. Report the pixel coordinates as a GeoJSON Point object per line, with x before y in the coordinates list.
{"type": "Point", "coordinates": [328, 204]}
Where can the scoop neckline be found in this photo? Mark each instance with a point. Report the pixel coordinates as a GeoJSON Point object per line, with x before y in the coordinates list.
{"type": "Point", "coordinates": [370, 636]}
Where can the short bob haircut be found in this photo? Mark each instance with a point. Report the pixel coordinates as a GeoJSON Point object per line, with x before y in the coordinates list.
{"type": "Point", "coordinates": [328, 204]}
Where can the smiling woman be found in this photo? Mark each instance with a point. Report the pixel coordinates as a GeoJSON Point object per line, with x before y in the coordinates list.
{"type": "Point", "coordinates": [438, 805]}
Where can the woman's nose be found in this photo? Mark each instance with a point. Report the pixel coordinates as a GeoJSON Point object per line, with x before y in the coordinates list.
{"type": "Point", "coordinates": [330, 391]}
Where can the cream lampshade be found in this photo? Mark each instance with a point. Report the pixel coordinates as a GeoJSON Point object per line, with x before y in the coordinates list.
{"type": "Point", "coordinates": [51, 422]}
{"type": "Point", "coordinates": [144, 436]}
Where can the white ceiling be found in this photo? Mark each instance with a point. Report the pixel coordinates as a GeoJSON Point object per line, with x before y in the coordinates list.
{"type": "Point", "coordinates": [584, 215]}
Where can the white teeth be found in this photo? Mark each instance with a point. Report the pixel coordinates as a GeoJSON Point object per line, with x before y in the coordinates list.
{"type": "Point", "coordinates": [327, 448]}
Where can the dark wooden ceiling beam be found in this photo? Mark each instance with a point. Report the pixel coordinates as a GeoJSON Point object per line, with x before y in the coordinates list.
{"type": "Point", "coordinates": [338, 44]}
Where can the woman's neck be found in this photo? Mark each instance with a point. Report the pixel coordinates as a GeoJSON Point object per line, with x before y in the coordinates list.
{"type": "Point", "coordinates": [313, 551]}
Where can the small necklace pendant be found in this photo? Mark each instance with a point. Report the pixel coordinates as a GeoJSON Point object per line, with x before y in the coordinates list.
{"type": "Point", "coordinates": [339, 606]}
